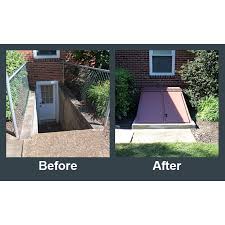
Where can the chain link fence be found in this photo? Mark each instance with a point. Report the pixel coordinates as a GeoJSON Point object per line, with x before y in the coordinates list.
{"type": "Point", "coordinates": [91, 87]}
{"type": "Point", "coordinates": [16, 99]}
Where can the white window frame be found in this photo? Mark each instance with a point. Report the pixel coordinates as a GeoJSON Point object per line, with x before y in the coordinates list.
{"type": "Point", "coordinates": [36, 56]}
{"type": "Point", "coordinates": [173, 54]}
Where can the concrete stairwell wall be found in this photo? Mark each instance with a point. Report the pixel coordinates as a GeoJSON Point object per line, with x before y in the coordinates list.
{"type": "Point", "coordinates": [70, 117]}
{"type": "Point", "coordinates": [30, 121]}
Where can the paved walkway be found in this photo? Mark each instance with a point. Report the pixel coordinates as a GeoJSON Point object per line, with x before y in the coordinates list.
{"type": "Point", "coordinates": [123, 136]}
{"type": "Point", "coordinates": [76, 143]}
{"type": "Point", "coordinates": [153, 135]}
{"type": "Point", "coordinates": [14, 148]}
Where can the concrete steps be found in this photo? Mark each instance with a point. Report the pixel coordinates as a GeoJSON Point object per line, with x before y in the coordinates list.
{"type": "Point", "coordinates": [76, 143]}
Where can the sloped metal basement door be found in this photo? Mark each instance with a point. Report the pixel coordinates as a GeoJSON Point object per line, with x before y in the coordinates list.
{"type": "Point", "coordinates": [162, 106]}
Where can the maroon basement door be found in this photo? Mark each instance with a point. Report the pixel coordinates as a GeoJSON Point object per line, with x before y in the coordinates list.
{"type": "Point", "coordinates": [162, 105]}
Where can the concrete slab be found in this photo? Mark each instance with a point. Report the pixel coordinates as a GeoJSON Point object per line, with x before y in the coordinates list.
{"type": "Point", "coordinates": [162, 135]}
{"type": "Point", "coordinates": [163, 125]}
{"type": "Point", "coordinates": [14, 148]}
{"type": "Point", "coordinates": [123, 136]}
{"type": "Point", "coordinates": [30, 124]}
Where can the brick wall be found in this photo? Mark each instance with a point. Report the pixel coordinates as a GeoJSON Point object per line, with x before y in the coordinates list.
{"type": "Point", "coordinates": [137, 63]}
{"type": "Point", "coordinates": [44, 69]}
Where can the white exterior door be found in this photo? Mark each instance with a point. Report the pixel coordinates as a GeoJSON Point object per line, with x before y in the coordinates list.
{"type": "Point", "coordinates": [47, 100]}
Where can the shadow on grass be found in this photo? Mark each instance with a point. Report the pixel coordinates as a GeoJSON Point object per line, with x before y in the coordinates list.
{"type": "Point", "coordinates": [167, 150]}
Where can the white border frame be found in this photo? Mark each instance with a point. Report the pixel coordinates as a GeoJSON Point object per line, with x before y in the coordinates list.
{"type": "Point", "coordinates": [151, 73]}
{"type": "Point", "coordinates": [56, 84]}
{"type": "Point", "coordinates": [46, 56]}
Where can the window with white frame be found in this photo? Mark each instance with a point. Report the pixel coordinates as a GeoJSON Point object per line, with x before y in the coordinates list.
{"type": "Point", "coordinates": [46, 54]}
{"type": "Point", "coordinates": [162, 62]}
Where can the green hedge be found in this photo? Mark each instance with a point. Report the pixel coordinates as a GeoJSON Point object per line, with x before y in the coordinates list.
{"type": "Point", "coordinates": [14, 60]}
{"type": "Point", "coordinates": [126, 94]}
{"type": "Point", "coordinates": [99, 96]}
{"type": "Point", "coordinates": [208, 109]}
{"type": "Point", "coordinates": [201, 76]}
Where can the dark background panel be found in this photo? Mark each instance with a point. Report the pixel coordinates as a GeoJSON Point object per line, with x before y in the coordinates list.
{"type": "Point", "coordinates": [113, 168]}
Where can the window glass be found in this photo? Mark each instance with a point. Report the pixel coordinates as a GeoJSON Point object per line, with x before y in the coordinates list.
{"type": "Point", "coordinates": [47, 94]}
{"type": "Point", "coordinates": [162, 52]}
{"type": "Point", "coordinates": [46, 52]}
{"type": "Point", "coordinates": [162, 64]}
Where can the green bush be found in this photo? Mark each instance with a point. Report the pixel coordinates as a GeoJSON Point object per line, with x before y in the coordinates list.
{"type": "Point", "coordinates": [208, 109]}
{"type": "Point", "coordinates": [99, 96]}
{"type": "Point", "coordinates": [98, 58]}
{"type": "Point", "coordinates": [14, 60]}
{"type": "Point", "coordinates": [126, 94]}
{"type": "Point", "coordinates": [201, 76]}
{"type": "Point", "coordinates": [8, 112]}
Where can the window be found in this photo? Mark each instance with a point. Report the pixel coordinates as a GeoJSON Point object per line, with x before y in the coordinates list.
{"type": "Point", "coordinates": [47, 94]}
{"type": "Point", "coordinates": [162, 62]}
{"type": "Point", "coordinates": [46, 54]}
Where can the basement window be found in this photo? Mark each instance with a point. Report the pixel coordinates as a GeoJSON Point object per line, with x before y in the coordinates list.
{"type": "Point", "coordinates": [162, 62]}
{"type": "Point", "coordinates": [46, 54]}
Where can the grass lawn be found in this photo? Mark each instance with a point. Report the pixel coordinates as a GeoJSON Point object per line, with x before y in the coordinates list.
{"type": "Point", "coordinates": [168, 150]}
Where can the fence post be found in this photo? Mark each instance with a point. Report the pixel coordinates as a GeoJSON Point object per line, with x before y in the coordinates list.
{"type": "Point", "coordinates": [11, 106]}
{"type": "Point", "coordinates": [107, 113]}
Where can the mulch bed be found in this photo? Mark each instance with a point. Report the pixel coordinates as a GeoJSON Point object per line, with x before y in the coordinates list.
{"type": "Point", "coordinates": [207, 132]}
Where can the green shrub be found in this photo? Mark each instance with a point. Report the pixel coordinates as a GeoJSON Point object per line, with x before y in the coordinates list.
{"type": "Point", "coordinates": [98, 58]}
{"type": "Point", "coordinates": [99, 95]}
{"type": "Point", "coordinates": [8, 112]}
{"type": "Point", "coordinates": [201, 76]}
{"type": "Point", "coordinates": [126, 94]}
{"type": "Point", "coordinates": [208, 109]}
{"type": "Point", "coordinates": [14, 60]}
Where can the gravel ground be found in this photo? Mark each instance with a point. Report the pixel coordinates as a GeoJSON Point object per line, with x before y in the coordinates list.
{"type": "Point", "coordinates": [78, 143]}
{"type": "Point", "coordinates": [207, 132]}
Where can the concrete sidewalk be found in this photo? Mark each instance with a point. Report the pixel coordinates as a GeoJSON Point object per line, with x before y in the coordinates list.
{"type": "Point", "coordinates": [153, 135]}
{"type": "Point", "coordinates": [123, 136]}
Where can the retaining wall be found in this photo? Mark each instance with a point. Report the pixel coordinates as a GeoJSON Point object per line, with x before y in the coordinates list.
{"type": "Point", "coordinates": [70, 117]}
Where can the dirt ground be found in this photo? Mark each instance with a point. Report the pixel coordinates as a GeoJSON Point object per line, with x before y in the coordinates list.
{"type": "Point", "coordinates": [207, 132]}
{"type": "Point", "coordinates": [10, 128]}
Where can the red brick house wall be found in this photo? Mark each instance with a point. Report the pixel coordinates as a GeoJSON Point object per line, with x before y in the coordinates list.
{"type": "Point", "coordinates": [44, 69]}
{"type": "Point", "coordinates": [137, 63]}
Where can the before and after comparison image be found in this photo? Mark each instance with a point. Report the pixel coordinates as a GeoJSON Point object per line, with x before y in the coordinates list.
{"type": "Point", "coordinates": [58, 103]}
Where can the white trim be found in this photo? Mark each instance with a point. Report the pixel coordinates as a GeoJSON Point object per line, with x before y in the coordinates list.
{"type": "Point", "coordinates": [151, 73]}
{"type": "Point", "coordinates": [36, 56]}
{"type": "Point", "coordinates": [56, 84]}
